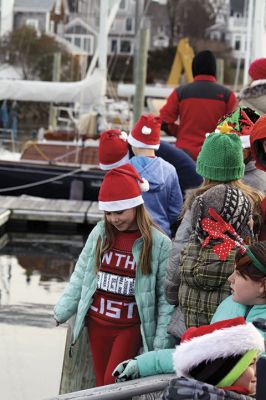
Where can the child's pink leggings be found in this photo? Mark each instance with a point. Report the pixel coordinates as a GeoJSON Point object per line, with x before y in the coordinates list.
{"type": "Point", "coordinates": [110, 346]}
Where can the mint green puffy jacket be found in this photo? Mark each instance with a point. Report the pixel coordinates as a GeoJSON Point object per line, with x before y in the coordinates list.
{"type": "Point", "coordinates": [154, 311]}
{"type": "Point", "coordinates": [161, 362]}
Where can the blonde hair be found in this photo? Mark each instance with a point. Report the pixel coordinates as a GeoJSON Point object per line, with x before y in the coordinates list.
{"type": "Point", "coordinates": [252, 194]}
{"type": "Point", "coordinates": [145, 224]}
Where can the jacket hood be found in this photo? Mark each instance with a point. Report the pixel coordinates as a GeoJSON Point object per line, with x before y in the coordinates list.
{"type": "Point", "coordinates": [150, 169]}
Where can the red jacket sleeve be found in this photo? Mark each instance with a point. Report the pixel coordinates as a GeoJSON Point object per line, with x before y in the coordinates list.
{"type": "Point", "coordinates": [169, 114]}
{"type": "Point", "coordinates": [232, 103]}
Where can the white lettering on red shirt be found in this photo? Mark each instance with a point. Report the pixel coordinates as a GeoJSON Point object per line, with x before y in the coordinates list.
{"type": "Point", "coordinates": [114, 299]}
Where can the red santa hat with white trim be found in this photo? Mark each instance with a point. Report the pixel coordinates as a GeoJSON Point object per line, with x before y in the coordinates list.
{"type": "Point", "coordinates": [121, 189]}
{"type": "Point", "coordinates": [218, 353]}
{"type": "Point", "coordinates": [113, 149]}
{"type": "Point", "coordinates": [146, 132]}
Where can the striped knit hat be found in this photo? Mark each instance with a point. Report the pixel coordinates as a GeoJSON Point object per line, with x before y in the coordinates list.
{"type": "Point", "coordinates": [229, 202]}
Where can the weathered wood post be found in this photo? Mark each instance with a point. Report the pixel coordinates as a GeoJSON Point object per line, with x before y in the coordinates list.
{"type": "Point", "coordinates": [77, 372]}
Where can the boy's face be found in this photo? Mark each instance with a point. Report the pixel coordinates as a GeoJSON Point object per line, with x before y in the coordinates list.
{"type": "Point", "coordinates": [248, 378]}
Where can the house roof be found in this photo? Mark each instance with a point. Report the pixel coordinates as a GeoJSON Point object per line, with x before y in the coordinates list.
{"type": "Point", "coordinates": [78, 21]}
{"type": "Point", "coordinates": [221, 27]}
{"type": "Point", "coordinates": [33, 5]}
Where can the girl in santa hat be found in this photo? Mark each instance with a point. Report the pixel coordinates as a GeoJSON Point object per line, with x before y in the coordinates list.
{"type": "Point", "coordinates": [116, 289]}
{"type": "Point", "coordinates": [248, 300]}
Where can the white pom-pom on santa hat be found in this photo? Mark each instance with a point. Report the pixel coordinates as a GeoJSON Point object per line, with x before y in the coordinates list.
{"type": "Point", "coordinates": [123, 135]}
{"type": "Point", "coordinates": [144, 185]}
{"type": "Point", "coordinates": [145, 133]}
{"type": "Point", "coordinates": [145, 130]}
{"type": "Point", "coordinates": [121, 189]}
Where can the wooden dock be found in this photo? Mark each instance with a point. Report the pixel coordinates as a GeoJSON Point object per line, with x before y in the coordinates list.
{"type": "Point", "coordinates": [48, 210]}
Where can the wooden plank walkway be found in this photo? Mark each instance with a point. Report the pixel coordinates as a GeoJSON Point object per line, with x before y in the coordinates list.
{"type": "Point", "coordinates": [4, 216]}
{"type": "Point", "coordinates": [49, 210]}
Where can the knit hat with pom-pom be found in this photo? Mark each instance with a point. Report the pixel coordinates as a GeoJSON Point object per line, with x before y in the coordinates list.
{"type": "Point", "coordinates": [121, 189]}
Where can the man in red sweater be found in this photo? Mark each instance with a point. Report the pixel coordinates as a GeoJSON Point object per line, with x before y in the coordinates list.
{"type": "Point", "coordinates": [198, 105]}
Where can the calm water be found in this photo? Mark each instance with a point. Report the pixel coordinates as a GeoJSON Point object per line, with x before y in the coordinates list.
{"type": "Point", "coordinates": [33, 273]}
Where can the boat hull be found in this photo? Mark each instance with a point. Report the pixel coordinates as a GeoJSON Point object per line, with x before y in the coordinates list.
{"type": "Point", "coordinates": [62, 182]}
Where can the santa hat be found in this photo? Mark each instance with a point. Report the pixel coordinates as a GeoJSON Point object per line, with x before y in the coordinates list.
{"type": "Point", "coordinates": [257, 69]}
{"type": "Point", "coordinates": [218, 353]}
{"type": "Point", "coordinates": [146, 132]}
{"type": "Point", "coordinates": [241, 122]}
{"type": "Point", "coordinates": [121, 189]}
{"type": "Point", "coordinates": [113, 149]}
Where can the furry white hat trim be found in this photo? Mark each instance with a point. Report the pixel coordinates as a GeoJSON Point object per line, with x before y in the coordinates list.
{"type": "Point", "coordinates": [224, 343]}
{"type": "Point", "coordinates": [123, 160]}
{"type": "Point", "coordinates": [136, 143]}
{"type": "Point", "coordinates": [120, 205]}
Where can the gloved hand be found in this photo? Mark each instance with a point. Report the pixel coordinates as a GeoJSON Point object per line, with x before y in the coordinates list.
{"type": "Point", "coordinates": [126, 370]}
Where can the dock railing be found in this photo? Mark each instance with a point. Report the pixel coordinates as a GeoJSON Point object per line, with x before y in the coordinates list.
{"type": "Point", "coordinates": [149, 388]}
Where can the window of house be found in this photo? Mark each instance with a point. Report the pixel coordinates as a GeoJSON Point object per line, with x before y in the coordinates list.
{"type": "Point", "coordinates": [33, 22]}
{"type": "Point", "coordinates": [84, 42]}
{"type": "Point", "coordinates": [77, 41]}
{"type": "Point", "coordinates": [125, 46]}
{"type": "Point", "coordinates": [237, 44]}
{"type": "Point", "coordinates": [129, 24]}
{"type": "Point", "coordinates": [123, 4]}
{"type": "Point", "coordinates": [113, 46]}
{"type": "Point", "coordinates": [87, 44]}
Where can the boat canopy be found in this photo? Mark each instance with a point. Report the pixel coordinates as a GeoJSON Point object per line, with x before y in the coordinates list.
{"type": "Point", "coordinates": [86, 91]}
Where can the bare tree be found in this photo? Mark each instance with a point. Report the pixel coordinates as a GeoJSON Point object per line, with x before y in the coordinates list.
{"type": "Point", "coordinates": [174, 9]}
{"type": "Point", "coordinates": [193, 17]}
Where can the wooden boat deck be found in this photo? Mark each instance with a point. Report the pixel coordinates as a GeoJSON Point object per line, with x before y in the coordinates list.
{"type": "Point", "coordinates": [50, 210]}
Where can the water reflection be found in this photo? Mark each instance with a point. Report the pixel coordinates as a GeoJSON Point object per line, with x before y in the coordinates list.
{"type": "Point", "coordinates": [33, 272]}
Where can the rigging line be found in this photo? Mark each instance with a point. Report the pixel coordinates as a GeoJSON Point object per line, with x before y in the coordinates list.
{"type": "Point", "coordinates": [28, 185]}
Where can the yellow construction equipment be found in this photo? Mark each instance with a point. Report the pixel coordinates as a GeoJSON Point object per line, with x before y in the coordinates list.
{"type": "Point", "coordinates": [182, 62]}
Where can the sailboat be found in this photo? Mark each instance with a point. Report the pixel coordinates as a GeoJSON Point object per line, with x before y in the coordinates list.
{"type": "Point", "coordinates": [61, 167]}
